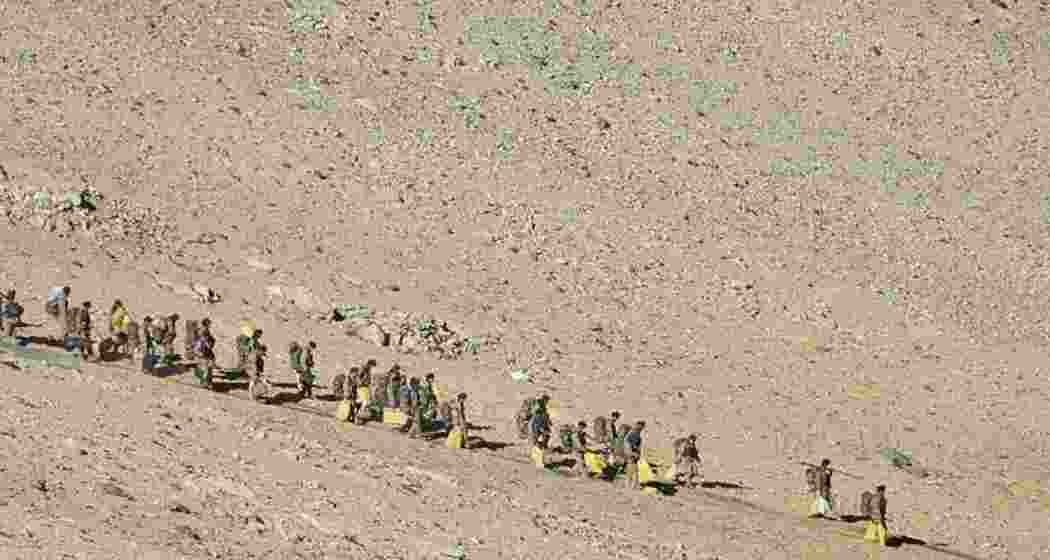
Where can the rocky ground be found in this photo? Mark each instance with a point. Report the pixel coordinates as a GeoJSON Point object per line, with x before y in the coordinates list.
{"type": "Point", "coordinates": [801, 231]}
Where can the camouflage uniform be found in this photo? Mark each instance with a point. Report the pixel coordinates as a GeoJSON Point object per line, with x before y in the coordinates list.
{"type": "Point", "coordinates": [580, 443]}
{"type": "Point", "coordinates": [459, 417]}
{"type": "Point", "coordinates": [632, 452]}
{"type": "Point", "coordinates": [409, 398]}
{"type": "Point", "coordinates": [83, 330]}
{"type": "Point", "coordinates": [686, 458]}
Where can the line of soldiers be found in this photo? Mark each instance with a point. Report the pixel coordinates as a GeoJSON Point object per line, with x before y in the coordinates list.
{"type": "Point", "coordinates": [372, 395]}
{"type": "Point", "coordinates": [872, 504]}
{"type": "Point", "coordinates": [612, 449]}
{"type": "Point", "coordinates": [616, 446]}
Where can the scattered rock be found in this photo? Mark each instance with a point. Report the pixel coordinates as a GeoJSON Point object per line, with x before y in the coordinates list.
{"type": "Point", "coordinates": [187, 532]}
{"type": "Point", "coordinates": [367, 104]}
{"type": "Point", "coordinates": [275, 291]}
{"type": "Point", "coordinates": [371, 332]}
{"type": "Point", "coordinates": [179, 508]}
{"type": "Point", "coordinates": [111, 489]}
{"type": "Point", "coordinates": [260, 265]}
{"type": "Point", "coordinates": [206, 294]}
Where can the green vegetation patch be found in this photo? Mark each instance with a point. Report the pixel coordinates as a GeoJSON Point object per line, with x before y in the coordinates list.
{"type": "Point", "coordinates": [735, 120]}
{"type": "Point", "coordinates": [470, 107]}
{"type": "Point", "coordinates": [1044, 40]}
{"type": "Point", "coordinates": [728, 55]}
{"type": "Point", "coordinates": [505, 40]}
{"type": "Point", "coordinates": [671, 72]}
{"type": "Point", "coordinates": [781, 128]}
{"type": "Point", "coordinates": [375, 136]}
{"type": "Point", "coordinates": [1044, 208]}
{"type": "Point", "coordinates": [839, 40]}
{"type": "Point", "coordinates": [504, 143]}
{"type": "Point", "coordinates": [312, 98]}
{"type": "Point", "coordinates": [424, 16]}
{"type": "Point", "coordinates": [1000, 48]}
{"type": "Point", "coordinates": [24, 56]}
{"type": "Point", "coordinates": [296, 55]}
{"type": "Point", "coordinates": [809, 165]}
{"type": "Point", "coordinates": [828, 136]}
{"type": "Point", "coordinates": [889, 169]}
{"type": "Point", "coordinates": [306, 16]}
{"type": "Point", "coordinates": [705, 96]}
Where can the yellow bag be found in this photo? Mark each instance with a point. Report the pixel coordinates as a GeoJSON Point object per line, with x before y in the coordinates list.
{"type": "Point", "coordinates": [875, 533]}
{"type": "Point", "coordinates": [537, 457]}
{"type": "Point", "coordinates": [248, 327]}
{"type": "Point", "coordinates": [342, 411]}
{"type": "Point", "coordinates": [393, 416]}
{"type": "Point", "coordinates": [119, 321]}
{"type": "Point", "coordinates": [595, 462]}
{"type": "Point", "coordinates": [455, 440]}
{"type": "Point", "coordinates": [362, 395]}
{"type": "Point", "coordinates": [645, 472]}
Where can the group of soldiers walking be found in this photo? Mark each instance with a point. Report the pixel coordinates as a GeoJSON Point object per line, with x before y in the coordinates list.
{"type": "Point", "coordinates": [872, 504]}
{"type": "Point", "coordinates": [616, 447]}
{"type": "Point", "coordinates": [411, 403]}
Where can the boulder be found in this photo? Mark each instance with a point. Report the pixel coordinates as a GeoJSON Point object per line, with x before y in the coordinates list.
{"type": "Point", "coordinates": [371, 332]}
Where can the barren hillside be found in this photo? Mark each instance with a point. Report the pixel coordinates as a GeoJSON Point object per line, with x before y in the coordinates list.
{"type": "Point", "coordinates": [801, 230]}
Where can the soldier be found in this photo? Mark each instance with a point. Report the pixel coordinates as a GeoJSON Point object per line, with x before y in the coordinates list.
{"type": "Point", "coordinates": [306, 380]}
{"type": "Point", "coordinates": [408, 399]}
{"type": "Point", "coordinates": [580, 443]}
{"type": "Point", "coordinates": [521, 418]}
{"type": "Point", "coordinates": [257, 361]}
{"type": "Point", "coordinates": [83, 330]}
{"type": "Point", "coordinates": [190, 340]}
{"type": "Point", "coordinates": [820, 482]}
{"type": "Point", "coordinates": [119, 320]}
{"type": "Point", "coordinates": [10, 313]}
{"type": "Point", "coordinates": [459, 418]}
{"type": "Point", "coordinates": [393, 386]}
{"type": "Point", "coordinates": [632, 450]}
{"type": "Point", "coordinates": [243, 345]}
{"type": "Point", "coordinates": [149, 341]}
{"type": "Point", "coordinates": [686, 458]}
{"type": "Point", "coordinates": [540, 423]}
{"type": "Point", "coordinates": [349, 390]}
{"type": "Point", "coordinates": [378, 387]}
{"type": "Point", "coordinates": [57, 307]}
{"type": "Point", "coordinates": [876, 506]}
{"type": "Point", "coordinates": [428, 399]}
{"type": "Point", "coordinates": [204, 348]}
{"type": "Point", "coordinates": [170, 335]}
{"type": "Point", "coordinates": [614, 435]}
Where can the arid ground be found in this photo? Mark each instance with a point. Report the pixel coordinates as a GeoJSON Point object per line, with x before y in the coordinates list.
{"type": "Point", "coordinates": [799, 229]}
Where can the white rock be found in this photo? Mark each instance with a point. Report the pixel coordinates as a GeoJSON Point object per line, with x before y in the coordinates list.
{"type": "Point", "coordinates": [367, 104]}
{"type": "Point", "coordinates": [274, 291]}
{"type": "Point", "coordinates": [260, 265]}
{"type": "Point", "coordinates": [371, 332]}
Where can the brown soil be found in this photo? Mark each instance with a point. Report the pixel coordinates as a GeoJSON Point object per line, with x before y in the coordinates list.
{"type": "Point", "coordinates": [635, 251]}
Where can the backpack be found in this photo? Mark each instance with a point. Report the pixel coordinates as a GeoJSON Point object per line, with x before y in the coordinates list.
{"type": "Point", "coordinates": [812, 479]}
{"type": "Point", "coordinates": [200, 346]}
{"type": "Point", "coordinates": [339, 386]}
{"type": "Point", "coordinates": [566, 435]}
{"type": "Point", "coordinates": [11, 311]}
{"type": "Point", "coordinates": [244, 344]}
{"type": "Point", "coordinates": [295, 357]}
{"type": "Point", "coordinates": [601, 429]}
{"type": "Point", "coordinates": [867, 504]}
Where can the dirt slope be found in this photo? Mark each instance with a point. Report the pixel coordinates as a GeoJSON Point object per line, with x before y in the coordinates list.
{"type": "Point", "coordinates": [800, 231]}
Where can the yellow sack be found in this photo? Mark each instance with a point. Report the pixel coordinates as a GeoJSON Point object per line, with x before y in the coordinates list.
{"type": "Point", "coordinates": [455, 440]}
{"type": "Point", "coordinates": [119, 321]}
{"type": "Point", "coordinates": [537, 457]}
{"type": "Point", "coordinates": [595, 462]}
{"type": "Point", "coordinates": [362, 395]}
{"type": "Point", "coordinates": [875, 533]}
{"type": "Point", "coordinates": [247, 327]}
{"type": "Point", "coordinates": [342, 411]}
{"type": "Point", "coordinates": [645, 472]}
{"type": "Point", "coordinates": [393, 416]}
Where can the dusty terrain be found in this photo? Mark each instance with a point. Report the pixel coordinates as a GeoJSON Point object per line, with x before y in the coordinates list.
{"type": "Point", "coordinates": [802, 230]}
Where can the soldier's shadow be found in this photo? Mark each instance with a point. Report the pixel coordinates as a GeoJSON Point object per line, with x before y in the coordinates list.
{"type": "Point", "coordinates": [286, 397]}
{"type": "Point", "coordinates": [220, 387]}
{"type": "Point", "coordinates": [171, 371]}
{"type": "Point", "coordinates": [847, 518]}
{"type": "Point", "coordinates": [896, 541]}
{"type": "Point", "coordinates": [478, 443]}
{"type": "Point", "coordinates": [722, 485]}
